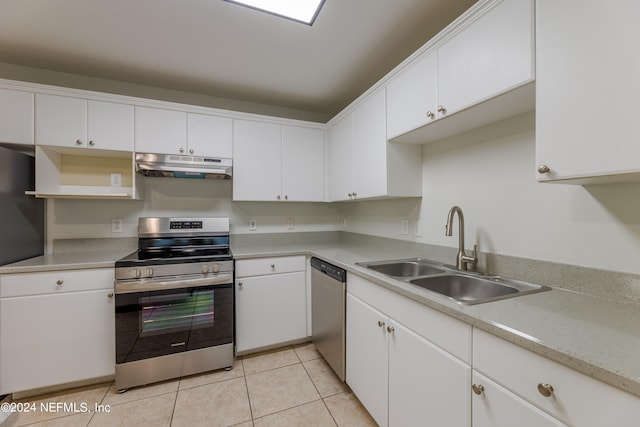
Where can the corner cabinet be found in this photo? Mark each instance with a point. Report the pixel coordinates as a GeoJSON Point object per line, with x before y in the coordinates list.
{"type": "Point", "coordinates": [362, 164]}
{"type": "Point", "coordinates": [16, 117]}
{"type": "Point", "coordinates": [476, 74]}
{"type": "Point", "coordinates": [271, 302]}
{"type": "Point", "coordinates": [274, 162]}
{"type": "Point", "coordinates": [587, 91]}
{"type": "Point", "coordinates": [400, 363]}
{"type": "Point", "coordinates": [56, 328]}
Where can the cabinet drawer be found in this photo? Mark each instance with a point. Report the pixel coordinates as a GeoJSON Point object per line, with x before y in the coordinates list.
{"type": "Point", "coordinates": [266, 266]}
{"type": "Point", "coordinates": [13, 285]}
{"type": "Point", "coordinates": [576, 398]}
{"type": "Point", "coordinates": [444, 331]}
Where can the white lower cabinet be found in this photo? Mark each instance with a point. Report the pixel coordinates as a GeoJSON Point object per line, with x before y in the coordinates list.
{"type": "Point", "coordinates": [495, 406]}
{"type": "Point", "coordinates": [400, 376]}
{"type": "Point", "coordinates": [567, 395]}
{"type": "Point", "coordinates": [271, 302]}
{"type": "Point", "coordinates": [56, 328]}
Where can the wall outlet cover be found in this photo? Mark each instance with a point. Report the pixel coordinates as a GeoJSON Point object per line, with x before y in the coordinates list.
{"type": "Point", "coordinates": [116, 180]}
{"type": "Point", "coordinates": [290, 223]}
{"type": "Point", "coordinates": [116, 225]}
{"type": "Point", "coordinates": [404, 227]}
{"type": "Point", "coordinates": [252, 225]}
{"type": "Point", "coordinates": [417, 229]}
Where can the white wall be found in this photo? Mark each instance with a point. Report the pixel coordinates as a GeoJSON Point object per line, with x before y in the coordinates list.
{"type": "Point", "coordinates": [69, 218]}
{"type": "Point", "coordinates": [491, 176]}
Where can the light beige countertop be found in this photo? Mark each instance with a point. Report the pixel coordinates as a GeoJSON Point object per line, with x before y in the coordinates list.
{"type": "Point", "coordinates": [595, 336]}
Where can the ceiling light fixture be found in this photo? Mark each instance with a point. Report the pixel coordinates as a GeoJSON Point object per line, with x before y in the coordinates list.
{"type": "Point", "coordinates": [304, 11]}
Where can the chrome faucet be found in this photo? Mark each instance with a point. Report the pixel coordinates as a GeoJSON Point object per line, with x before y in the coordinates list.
{"type": "Point", "coordinates": [462, 259]}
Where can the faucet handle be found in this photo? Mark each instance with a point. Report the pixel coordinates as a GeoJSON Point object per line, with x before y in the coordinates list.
{"type": "Point", "coordinates": [473, 259]}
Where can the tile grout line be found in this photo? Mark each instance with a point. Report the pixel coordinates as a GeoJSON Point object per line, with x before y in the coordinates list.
{"type": "Point", "coordinates": [319, 394]}
{"type": "Point", "coordinates": [246, 387]}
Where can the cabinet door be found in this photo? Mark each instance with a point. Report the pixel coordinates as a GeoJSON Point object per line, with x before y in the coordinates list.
{"type": "Point", "coordinates": [425, 382]}
{"type": "Point", "coordinates": [587, 88]}
{"type": "Point", "coordinates": [55, 339]}
{"type": "Point", "coordinates": [16, 116]}
{"type": "Point", "coordinates": [490, 56]}
{"type": "Point", "coordinates": [160, 131]}
{"type": "Point", "coordinates": [257, 161]}
{"type": "Point", "coordinates": [110, 126]}
{"type": "Point", "coordinates": [369, 156]}
{"type": "Point", "coordinates": [367, 357]}
{"type": "Point", "coordinates": [412, 94]}
{"type": "Point", "coordinates": [495, 406]}
{"type": "Point", "coordinates": [302, 164]}
{"type": "Point", "coordinates": [210, 135]}
{"type": "Point", "coordinates": [61, 121]}
{"type": "Point", "coordinates": [270, 310]}
{"type": "Point", "coordinates": [339, 150]}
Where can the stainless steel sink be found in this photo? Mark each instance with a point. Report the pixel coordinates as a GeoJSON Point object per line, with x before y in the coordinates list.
{"type": "Point", "coordinates": [469, 289]}
{"type": "Point", "coordinates": [405, 268]}
{"type": "Point", "coordinates": [462, 287]}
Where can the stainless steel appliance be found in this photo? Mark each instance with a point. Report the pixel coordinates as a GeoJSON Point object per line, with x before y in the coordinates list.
{"type": "Point", "coordinates": [174, 301]}
{"type": "Point", "coordinates": [328, 298]}
{"type": "Point", "coordinates": [21, 216]}
{"type": "Point", "coordinates": [161, 165]}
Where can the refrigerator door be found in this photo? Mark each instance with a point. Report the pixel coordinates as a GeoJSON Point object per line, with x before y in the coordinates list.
{"type": "Point", "coordinates": [21, 217]}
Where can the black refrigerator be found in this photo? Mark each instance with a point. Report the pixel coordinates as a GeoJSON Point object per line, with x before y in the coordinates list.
{"type": "Point", "coordinates": [22, 217]}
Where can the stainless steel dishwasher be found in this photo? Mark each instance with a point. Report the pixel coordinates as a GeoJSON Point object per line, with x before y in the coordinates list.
{"type": "Point", "coordinates": [328, 291]}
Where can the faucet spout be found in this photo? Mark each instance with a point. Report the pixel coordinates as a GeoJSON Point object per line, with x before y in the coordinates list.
{"type": "Point", "coordinates": [462, 259]}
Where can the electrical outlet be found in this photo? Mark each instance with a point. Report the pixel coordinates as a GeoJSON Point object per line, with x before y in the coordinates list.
{"type": "Point", "coordinates": [116, 225]}
{"type": "Point", "coordinates": [404, 227]}
{"type": "Point", "coordinates": [290, 223]}
{"type": "Point", "coordinates": [252, 225]}
{"type": "Point", "coordinates": [417, 230]}
{"type": "Point", "coordinates": [116, 180]}
{"type": "Point", "coordinates": [344, 222]}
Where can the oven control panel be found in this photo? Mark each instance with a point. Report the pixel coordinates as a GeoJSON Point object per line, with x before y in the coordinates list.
{"type": "Point", "coordinates": [185, 225]}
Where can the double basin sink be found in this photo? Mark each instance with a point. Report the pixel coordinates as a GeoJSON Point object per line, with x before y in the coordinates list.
{"type": "Point", "coordinates": [463, 287]}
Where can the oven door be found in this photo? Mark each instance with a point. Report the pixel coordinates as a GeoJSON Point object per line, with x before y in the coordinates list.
{"type": "Point", "coordinates": [153, 323]}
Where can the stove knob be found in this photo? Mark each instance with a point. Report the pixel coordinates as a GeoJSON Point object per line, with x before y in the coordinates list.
{"type": "Point", "coordinates": [215, 268]}
{"type": "Point", "coordinates": [136, 273]}
{"type": "Point", "coordinates": [149, 272]}
{"type": "Point", "coordinates": [204, 268]}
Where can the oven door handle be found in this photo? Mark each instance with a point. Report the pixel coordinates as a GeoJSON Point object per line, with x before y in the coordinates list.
{"type": "Point", "coordinates": [131, 287]}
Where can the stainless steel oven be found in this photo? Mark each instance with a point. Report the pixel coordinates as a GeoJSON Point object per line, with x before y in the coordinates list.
{"type": "Point", "coordinates": [174, 301]}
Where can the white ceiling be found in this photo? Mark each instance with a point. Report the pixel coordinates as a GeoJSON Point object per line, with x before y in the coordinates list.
{"type": "Point", "coordinates": [216, 48]}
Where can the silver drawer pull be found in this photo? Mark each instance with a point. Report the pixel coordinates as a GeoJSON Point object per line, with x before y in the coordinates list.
{"type": "Point", "coordinates": [59, 282]}
{"type": "Point", "coordinates": [178, 344]}
{"type": "Point", "coordinates": [545, 389]}
{"type": "Point", "coordinates": [477, 388]}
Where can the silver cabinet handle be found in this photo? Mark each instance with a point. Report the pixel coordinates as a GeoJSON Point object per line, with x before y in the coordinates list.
{"type": "Point", "coordinates": [240, 284]}
{"type": "Point", "coordinates": [273, 266]}
{"type": "Point", "coordinates": [441, 109]}
{"type": "Point", "coordinates": [278, 197]}
{"type": "Point", "coordinates": [380, 324]}
{"type": "Point", "coordinates": [92, 143]}
{"type": "Point", "coordinates": [190, 150]}
{"type": "Point", "coordinates": [477, 389]}
{"type": "Point", "coordinates": [390, 329]}
{"type": "Point", "coordinates": [350, 195]}
{"type": "Point", "coordinates": [355, 194]}
{"type": "Point", "coordinates": [430, 115]}
{"type": "Point", "coordinates": [59, 282]}
{"type": "Point", "coordinates": [181, 150]}
{"type": "Point", "coordinates": [545, 389]}
{"type": "Point", "coordinates": [543, 169]}
{"type": "Point", "coordinates": [110, 295]}
{"type": "Point", "coordinates": [286, 197]}
{"type": "Point", "coordinates": [79, 142]}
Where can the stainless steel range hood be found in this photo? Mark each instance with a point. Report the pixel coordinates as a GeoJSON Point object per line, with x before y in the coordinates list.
{"type": "Point", "coordinates": [167, 165]}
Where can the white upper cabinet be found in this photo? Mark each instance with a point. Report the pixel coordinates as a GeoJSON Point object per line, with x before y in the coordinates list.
{"type": "Point", "coordinates": [161, 131]}
{"type": "Point", "coordinates": [302, 163]}
{"type": "Point", "coordinates": [412, 96]}
{"type": "Point", "coordinates": [587, 91]}
{"type": "Point", "coordinates": [16, 116]}
{"type": "Point", "coordinates": [492, 55]}
{"type": "Point", "coordinates": [362, 164]}
{"type": "Point", "coordinates": [209, 135]}
{"type": "Point", "coordinates": [479, 61]}
{"type": "Point", "coordinates": [274, 162]}
{"type": "Point", "coordinates": [63, 121]}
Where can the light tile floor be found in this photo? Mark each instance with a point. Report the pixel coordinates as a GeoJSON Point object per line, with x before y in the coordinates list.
{"type": "Point", "coordinates": [292, 386]}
